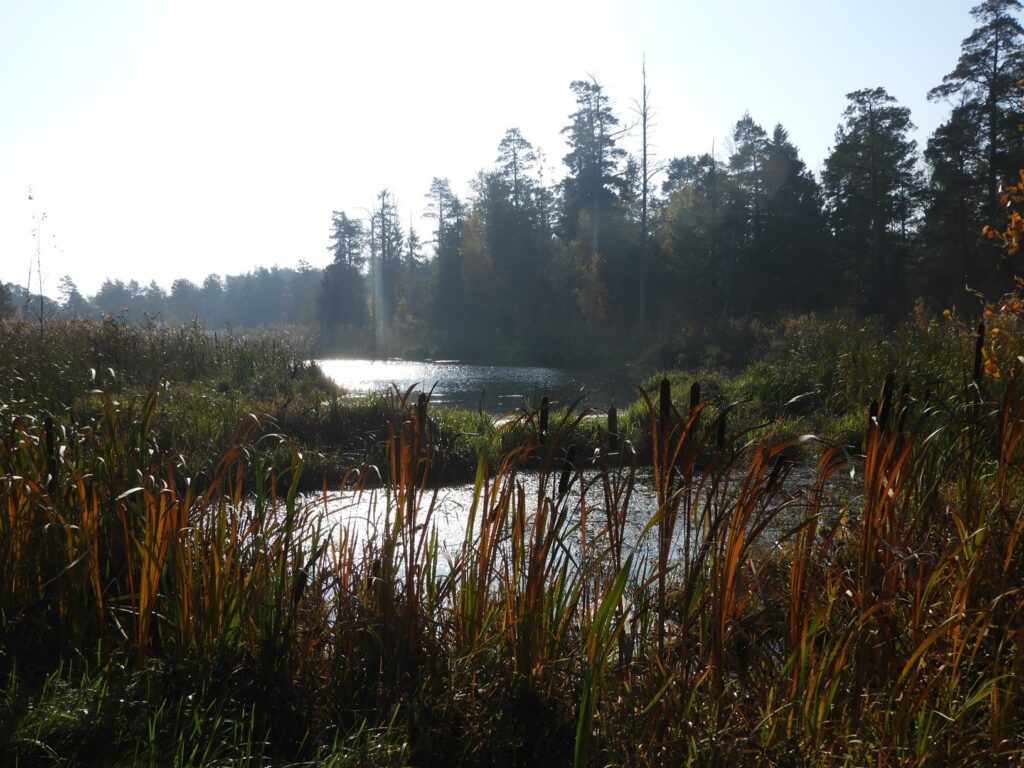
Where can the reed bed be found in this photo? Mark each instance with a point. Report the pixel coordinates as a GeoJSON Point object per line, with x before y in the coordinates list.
{"type": "Point", "coordinates": [150, 619]}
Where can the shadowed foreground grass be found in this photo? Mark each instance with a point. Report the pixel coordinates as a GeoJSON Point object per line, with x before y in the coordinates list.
{"type": "Point", "coordinates": [150, 619]}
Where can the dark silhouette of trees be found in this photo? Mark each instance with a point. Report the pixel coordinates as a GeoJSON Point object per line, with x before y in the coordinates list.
{"type": "Point", "coordinates": [448, 301]}
{"type": "Point", "coordinates": [592, 183]}
{"type": "Point", "coordinates": [523, 268]}
{"type": "Point", "coordinates": [872, 188]}
{"type": "Point", "coordinates": [986, 78]}
{"type": "Point", "coordinates": [794, 270]}
{"type": "Point", "coordinates": [72, 302]}
{"type": "Point", "coordinates": [341, 299]}
{"type": "Point", "coordinates": [6, 300]}
{"type": "Point", "coordinates": [976, 150]}
{"type": "Point", "coordinates": [690, 250]}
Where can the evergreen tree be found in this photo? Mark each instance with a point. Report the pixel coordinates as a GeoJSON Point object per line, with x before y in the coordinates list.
{"type": "Point", "coordinates": [745, 216]}
{"type": "Point", "coordinates": [212, 299]}
{"type": "Point", "coordinates": [955, 201]}
{"type": "Point", "coordinates": [446, 210]}
{"type": "Point", "coordinates": [795, 271]}
{"type": "Point", "coordinates": [978, 148]}
{"type": "Point", "coordinates": [114, 297]}
{"type": "Point", "coordinates": [690, 250]}
{"type": "Point", "coordinates": [593, 183]}
{"type": "Point", "coordinates": [348, 240]}
{"type": "Point", "coordinates": [6, 300]}
{"type": "Point", "coordinates": [986, 77]}
{"type": "Point", "coordinates": [341, 300]}
{"type": "Point", "coordinates": [516, 158]}
{"type": "Point", "coordinates": [386, 248]}
{"type": "Point", "coordinates": [872, 189]}
{"type": "Point", "coordinates": [301, 294]}
{"type": "Point", "coordinates": [73, 303]}
{"type": "Point", "coordinates": [185, 301]}
{"type": "Point", "coordinates": [599, 224]}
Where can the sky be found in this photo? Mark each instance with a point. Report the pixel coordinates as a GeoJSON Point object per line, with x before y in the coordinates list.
{"type": "Point", "coordinates": [177, 139]}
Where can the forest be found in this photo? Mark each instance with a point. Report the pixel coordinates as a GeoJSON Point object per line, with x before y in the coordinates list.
{"type": "Point", "coordinates": [625, 248]}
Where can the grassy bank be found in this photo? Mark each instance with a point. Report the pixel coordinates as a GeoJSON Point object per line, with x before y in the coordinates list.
{"type": "Point", "coordinates": [168, 597]}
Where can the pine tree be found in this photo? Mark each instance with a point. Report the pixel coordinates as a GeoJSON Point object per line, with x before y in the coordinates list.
{"type": "Point", "coordinates": [593, 183]}
{"type": "Point", "coordinates": [986, 78]}
{"type": "Point", "coordinates": [872, 189]}
{"type": "Point", "coordinates": [341, 300]}
{"type": "Point", "coordinates": [976, 150]}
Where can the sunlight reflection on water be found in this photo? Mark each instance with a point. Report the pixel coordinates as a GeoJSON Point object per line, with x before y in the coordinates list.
{"type": "Point", "coordinates": [365, 513]}
{"type": "Point", "coordinates": [493, 388]}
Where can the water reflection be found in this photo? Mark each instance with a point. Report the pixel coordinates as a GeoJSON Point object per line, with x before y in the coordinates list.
{"type": "Point", "coordinates": [366, 513]}
{"type": "Point", "coordinates": [492, 388]}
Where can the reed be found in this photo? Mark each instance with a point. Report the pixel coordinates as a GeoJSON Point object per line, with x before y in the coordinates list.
{"type": "Point", "coordinates": [786, 604]}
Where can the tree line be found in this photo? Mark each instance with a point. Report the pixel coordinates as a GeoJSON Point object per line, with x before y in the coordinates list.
{"type": "Point", "coordinates": [623, 247]}
{"type": "Point", "coordinates": [265, 296]}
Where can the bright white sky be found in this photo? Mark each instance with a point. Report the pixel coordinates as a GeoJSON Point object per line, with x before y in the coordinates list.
{"type": "Point", "coordinates": [174, 139]}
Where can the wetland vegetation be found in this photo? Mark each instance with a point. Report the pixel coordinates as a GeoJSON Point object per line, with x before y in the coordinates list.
{"type": "Point", "coordinates": [168, 595]}
{"type": "Point", "coordinates": [683, 579]}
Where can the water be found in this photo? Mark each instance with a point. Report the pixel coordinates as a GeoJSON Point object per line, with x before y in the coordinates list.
{"type": "Point", "coordinates": [363, 513]}
{"type": "Point", "coordinates": [500, 389]}
{"type": "Point", "coordinates": [492, 388]}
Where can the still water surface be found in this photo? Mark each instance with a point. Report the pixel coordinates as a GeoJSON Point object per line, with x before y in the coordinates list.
{"type": "Point", "coordinates": [365, 514]}
{"type": "Point", "coordinates": [492, 388]}
{"type": "Point", "coordinates": [500, 389]}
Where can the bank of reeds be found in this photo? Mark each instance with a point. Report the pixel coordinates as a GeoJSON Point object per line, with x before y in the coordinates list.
{"type": "Point", "coordinates": [767, 621]}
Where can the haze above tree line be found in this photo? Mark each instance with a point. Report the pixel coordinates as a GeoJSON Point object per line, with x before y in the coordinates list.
{"type": "Point", "coordinates": [626, 254]}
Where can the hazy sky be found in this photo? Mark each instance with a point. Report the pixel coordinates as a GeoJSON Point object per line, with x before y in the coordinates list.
{"type": "Point", "coordinates": [176, 139]}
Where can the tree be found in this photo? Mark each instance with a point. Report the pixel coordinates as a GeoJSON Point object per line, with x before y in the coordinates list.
{"type": "Point", "coordinates": [516, 159]}
{"type": "Point", "coordinates": [73, 303]}
{"type": "Point", "coordinates": [386, 239]}
{"type": "Point", "coordinates": [592, 183]}
{"type": "Point", "coordinates": [796, 272]}
{"type": "Point", "coordinates": [302, 290]}
{"type": "Point", "coordinates": [341, 300]}
{"type": "Point", "coordinates": [647, 173]}
{"type": "Point", "coordinates": [342, 297]}
{"type": "Point", "coordinates": [348, 240]}
{"type": "Point", "coordinates": [986, 76]}
{"type": "Point", "coordinates": [597, 196]}
{"type": "Point", "coordinates": [954, 208]}
{"type": "Point", "coordinates": [151, 301]}
{"type": "Point", "coordinates": [212, 298]}
{"type": "Point", "coordinates": [690, 254]}
{"type": "Point", "coordinates": [872, 189]}
{"type": "Point", "coordinates": [6, 301]}
{"type": "Point", "coordinates": [115, 298]}
{"type": "Point", "coordinates": [185, 301]}
{"type": "Point", "coordinates": [746, 214]}
{"type": "Point", "coordinates": [477, 277]}
{"type": "Point", "coordinates": [447, 298]}
{"type": "Point", "coordinates": [978, 148]}
{"type": "Point", "coordinates": [444, 208]}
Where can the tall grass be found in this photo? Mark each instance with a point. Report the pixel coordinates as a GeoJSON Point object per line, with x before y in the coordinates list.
{"type": "Point", "coordinates": [767, 613]}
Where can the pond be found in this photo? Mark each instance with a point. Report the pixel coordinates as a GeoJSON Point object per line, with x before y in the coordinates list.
{"type": "Point", "coordinates": [364, 513]}
{"type": "Point", "coordinates": [491, 388]}
{"type": "Point", "coordinates": [501, 389]}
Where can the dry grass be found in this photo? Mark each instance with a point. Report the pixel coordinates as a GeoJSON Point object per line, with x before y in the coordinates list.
{"type": "Point", "coordinates": [770, 627]}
